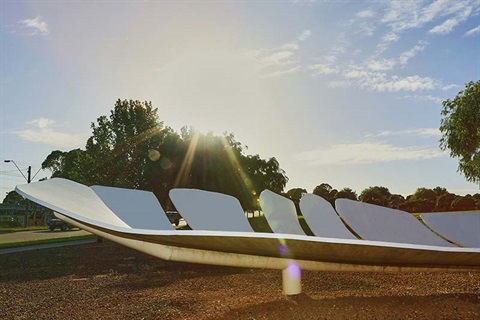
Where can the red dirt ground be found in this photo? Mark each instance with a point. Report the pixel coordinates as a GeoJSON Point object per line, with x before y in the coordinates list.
{"type": "Point", "coordinates": [108, 281]}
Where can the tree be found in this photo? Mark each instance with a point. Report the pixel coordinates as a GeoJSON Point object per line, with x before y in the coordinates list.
{"type": "Point", "coordinates": [325, 191]}
{"type": "Point", "coordinates": [119, 148]}
{"type": "Point", "coordinates": [346, 193]}
{"type": "Point", "coordinates": [439, 191]}
{"type": "Point", "coordinates": [375, 195]}
{"type": "Point", "coordinates": [67, 165]}
{"type": "Point", "coordinates": [133, 149]}
{"type": "Point", "coordinates": [425, 194]}
{"type": "Point", "coordinates": [295, 195]}
{"type": "Point", "coordinates": [13, 197]}
{"type": "Point", "coordinates": [460, 129]}
{"type": "Point", "coordinates": [417, 205]}
{"type": "Point", "coordinates": [463, 203]}
{"type": "Point", "coordinates": [395, 201]}
{"type": "Point", "coordinates": [444, 202]}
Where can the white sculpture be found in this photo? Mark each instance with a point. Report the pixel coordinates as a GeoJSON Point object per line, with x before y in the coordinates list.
{"type": "Point", "coordinates": [80, 206]}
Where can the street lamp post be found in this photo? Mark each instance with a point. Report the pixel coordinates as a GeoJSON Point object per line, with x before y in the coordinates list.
{"type": "Point", "coordinates": [29, 179]}
{"type": "Point", "coordinates": [29, 170]}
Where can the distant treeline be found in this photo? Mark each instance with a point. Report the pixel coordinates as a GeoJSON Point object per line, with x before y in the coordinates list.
{"type": "Point", "coordinates": [437, 199]}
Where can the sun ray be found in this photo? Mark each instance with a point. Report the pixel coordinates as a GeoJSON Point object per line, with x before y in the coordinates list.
{"type": "Point", "coordinates": [242, 177]}
{"type": "Point", "coordinates": [182, 177]}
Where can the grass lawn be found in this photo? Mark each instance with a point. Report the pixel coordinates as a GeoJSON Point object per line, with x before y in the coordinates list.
{"type": "Point", "coordinates": [43, 241]}
{"type": "Point", "coordinates": [18, 229]}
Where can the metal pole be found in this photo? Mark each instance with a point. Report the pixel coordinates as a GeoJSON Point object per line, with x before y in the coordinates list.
{"type": "Point", "coordinates": [29, 170]}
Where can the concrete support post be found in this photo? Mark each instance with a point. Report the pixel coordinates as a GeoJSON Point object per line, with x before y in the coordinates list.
{"type": "Point", "coordinates": [292, 280]}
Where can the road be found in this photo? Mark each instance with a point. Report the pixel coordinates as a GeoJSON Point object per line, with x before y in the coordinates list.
{"type": "Point", "coordinates": [23, 236]}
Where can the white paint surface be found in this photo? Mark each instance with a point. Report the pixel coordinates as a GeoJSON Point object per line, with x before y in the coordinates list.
{"type": "Point", "coordinates": [322, 218]}
{"type": "Point", "coordinates": [377, 223]}
{"type": "Point", "coordinates": [71, 198]}
{"type": "Point", "coordinates": [280, 213]}
{"type": "Point", "coordinates": [205, 210]}
{"type": "Point", "coordinates": [139, 209]}
{"type": "Point", "coordinates": [460, 227]}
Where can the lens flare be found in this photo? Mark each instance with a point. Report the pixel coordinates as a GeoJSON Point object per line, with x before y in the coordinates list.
{"type": "Point", "coordinates": [165, 163]}
{"type": "Point", "coordinates": [153, 155]}
{"type": "Point", "coordinates": [282, 247]}
{"type": "Point", "coordinates": [294, 270]}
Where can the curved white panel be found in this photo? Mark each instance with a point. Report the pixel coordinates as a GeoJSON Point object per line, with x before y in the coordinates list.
{"type": "Point", "coordinates": [139, 209]}
{"type": "Point", "coordinates": [322, 218]}
{"type": "Point", "coordinates": [280, 213]}
{"type": "Point", "coordinates": [205, 210]}
{"type": "Point", "coordinates": [71, 198]}
{"type": "Point", "coordinates": [377, 223]}
{"type": "Point", "coordinates": [460, 227]}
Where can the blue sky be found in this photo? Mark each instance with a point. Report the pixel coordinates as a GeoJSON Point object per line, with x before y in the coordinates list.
{"type": "Point", "coordinates": [348, 93]}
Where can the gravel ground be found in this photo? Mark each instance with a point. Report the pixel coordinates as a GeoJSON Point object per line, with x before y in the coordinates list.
{"type": "Point", "coordinates": [108, 281]}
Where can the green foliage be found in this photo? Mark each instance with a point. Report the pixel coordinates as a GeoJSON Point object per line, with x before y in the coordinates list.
{"type": "Point", "coordinates": [326, 191]}
{"type": "Point", "coordinates": [346, 193]}
{"type": "Point", "coordinates": [67, 164]}
{"type": "Point", "coordinates": [13, 197]}
{"type": "Point", "coordinates": [424, 193]}
{"type": "Point", "coordinates": [461, 130]}
{"type": "Point", "coordinates": [10, 224]}
{"type": "Point", "coordinates": [117, 152]}
{"type": "Point", "coordinates": [395, 201]}
{"type": "Point", "coordinates": [376, 195]}
{"type": "Point", "coordinates": [133, 149]}
{"type": "Point", "coordinates": [444, 202]}
{"type": "Point", "coordinates": [417, 205]}
{"type": "Point", "coordinates": [295, 195]}
{"type": "Point", "coordinates": [463, 203]}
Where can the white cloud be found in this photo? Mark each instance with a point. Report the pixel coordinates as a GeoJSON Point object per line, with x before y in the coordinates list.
{"type": "Point", "coordinates": [412, 83]}
{"type": "Point", "coordinates": [321, 68]}
{"type": "Point", "coordinates": [366, 152]}
{"type": "Point", "coordinates": [304, 35]}
{"type": "Point", "coordinates": [366, 29]}
{"type": "Point", "coordinates": [421, 132]}
{"type": "Point", "coordinates": [381, 65]}
{"type": "Point", "coordinates": [450, 86]}
{"type": "Point", "coordinates": [472, 32]}
{"type": "Point", "coordinates": [42, 123]}
{"type": "Point", "coordinates": [279, 61]}
{"type": "Point", "coordinates": [407, 55]}
{"type": "Point", "coordinates": [436, 100]}
{"type": "Point", "coordinates": [444, 28]}
{"type": "Point", "coordinates": [404, 15]}
{"type": "Point", "coordinates": [289, 46]}
{"type": "Point", "coordinates": [281, 72]}
{"type": "Point", "coordinates": [365, 14]}
{"type": "Point", "coordinates": [40, 131]}
{"type": "Point", "coordinates": [448, 25]}
{"type": "Point", "coordinates": [379, 81]}
{"type": "Point", "coordinates": [36, 26]}
{"type": "Point", "coordinates": [277, 58]}
{"type": "Point", "coordinates": [386, 41]}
